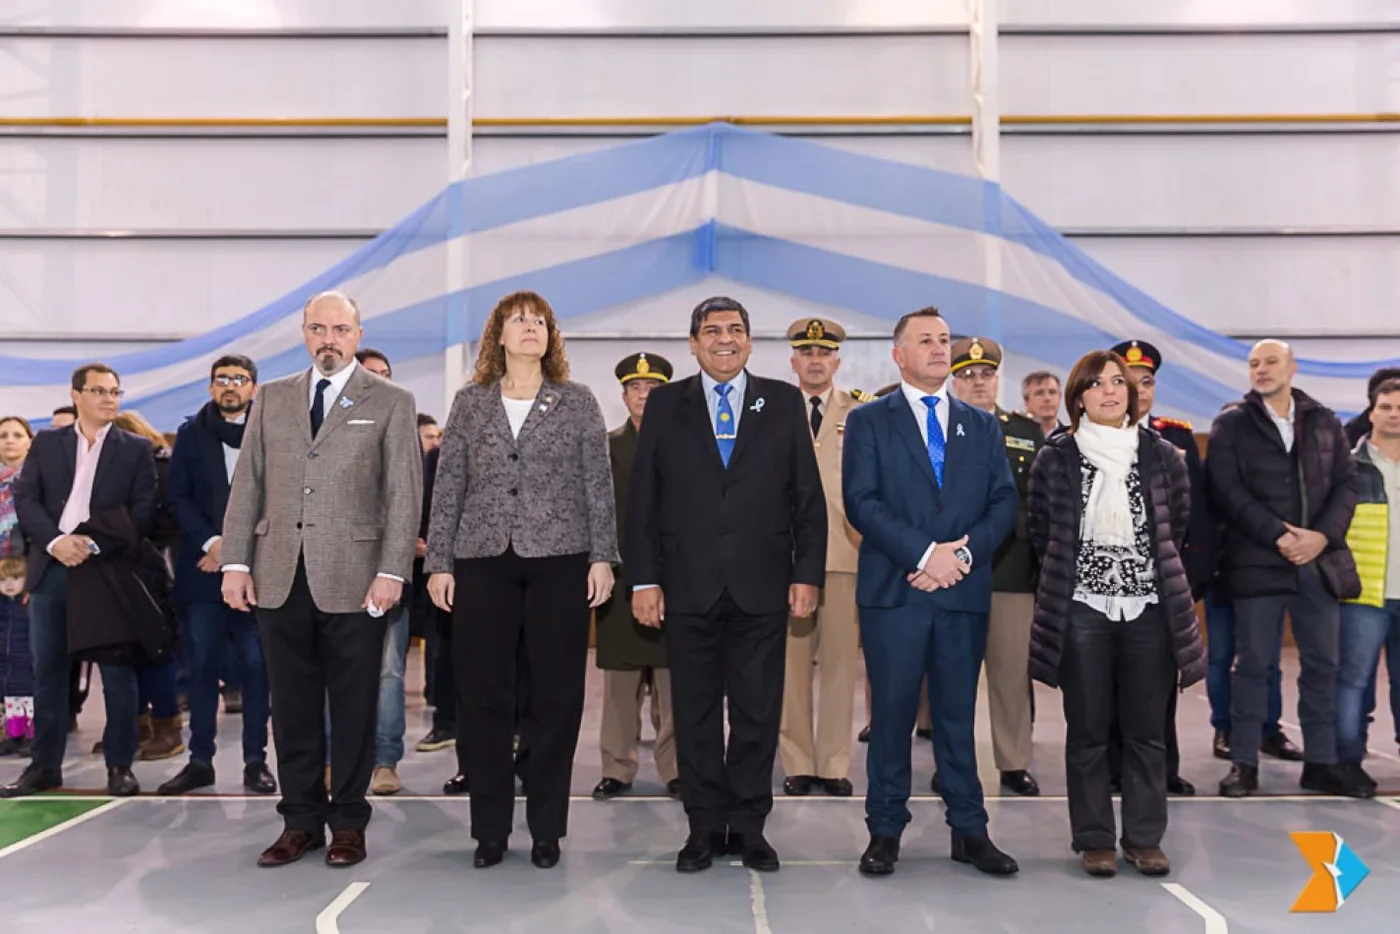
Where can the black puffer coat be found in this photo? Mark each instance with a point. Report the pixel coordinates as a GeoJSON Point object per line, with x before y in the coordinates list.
{"type": "Point", "coordinates": [1054, 516]}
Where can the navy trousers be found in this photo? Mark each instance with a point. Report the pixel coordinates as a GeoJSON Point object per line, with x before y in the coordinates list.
{"type": "Point", "coordinates": [902, 645]}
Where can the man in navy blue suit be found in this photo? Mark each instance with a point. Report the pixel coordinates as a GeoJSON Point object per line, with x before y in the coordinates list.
{"type": "Point", "coordinates": [927, 484]}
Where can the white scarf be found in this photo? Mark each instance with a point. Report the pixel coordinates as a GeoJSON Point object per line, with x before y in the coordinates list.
{"type": "Point", "coordinates": [1108, 518]}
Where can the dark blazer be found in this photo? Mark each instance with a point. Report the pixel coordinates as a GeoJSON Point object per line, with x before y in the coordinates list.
{"type": "Point", "coordinates": [126, 478]}
{"type": "Point", "coordinates": [1257, 486]}
{"type": "Point", "coordinates": [1054, 517]}
{"type": "Point", "coordinates": [897, 506]}
{"type": "Point", "coordinates": [622, 643]}
{"type": "Point", "coordinates": [546, 493]}
{"type": "Point", "coordinates": [118, 602]}
{"type": "Point", "coordinates": [698, 528]}
{"type": "Point", "coordinates": [1014, 569]}
{"type": "Point", "coordinates": [197, 494]}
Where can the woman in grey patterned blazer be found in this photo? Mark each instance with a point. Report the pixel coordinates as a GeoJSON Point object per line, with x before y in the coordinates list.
{"type": "Point", "coordinates": [523, 525]}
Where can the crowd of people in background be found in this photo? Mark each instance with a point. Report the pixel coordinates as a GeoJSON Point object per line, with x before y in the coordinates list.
{"type": "Point", "coordinates": [735, 534]}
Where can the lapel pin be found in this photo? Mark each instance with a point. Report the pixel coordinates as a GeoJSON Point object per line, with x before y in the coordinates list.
{"type": "Point", "coordinates": [960, 432]}
{"type": "Point", "coordinates": [757, 405]}
{"type": "Point", "coordinates": [346, 402]}
{"type": "Point", "coordinates": [543, 407]}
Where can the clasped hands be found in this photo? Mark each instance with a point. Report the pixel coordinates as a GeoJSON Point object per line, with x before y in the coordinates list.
{"type": "Point", "coordinates": [1300, 545]}
{"type": "Point", "coordinates": [942, 569]}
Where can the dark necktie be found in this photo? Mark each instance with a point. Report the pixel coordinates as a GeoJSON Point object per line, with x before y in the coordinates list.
{"type": "Point", "coordinates": [318, 406]}
{"type": "Point", "coordinates": [816, 414]}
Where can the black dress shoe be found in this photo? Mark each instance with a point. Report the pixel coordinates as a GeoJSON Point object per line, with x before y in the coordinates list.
{"type": "Point", "coordinates": [1176, 785]}
{"type": "Point", "coordinates": [1243, 780]}
{"type": "Point", "coordinates": [798, 785]}
{"type": "Point", "coordinates": [122, 784]}
{"type": "Point", "coordinates": [347, 849]}
{"type": "Point", "coordinates": [489, 853]}
{"type": "Point", "coordinates": [864, 735]}
{"type": "Point", "coordinates": [982, 854]}
{"type": "Point", "coordinates": [545, 854]}
{"type": "Point", "coordinates": [258, 780]}
{"type": "Point", "coordinates": [1220, 746]}
{"type": "Point", "coordinates": [880, 856]}
{"type": "Point", "coordinates": [1020, 782]}
{"type": "Point", "coordinates": [837, 787]}
{"type": "Point", "coordinates": [291, 846]}
{"type": "Point", "coordinates": [699, 852]}
{"type": "Point", "coordinates": [193, 776]}
{"type": "Point", "coordinates": [1280, 747]}
{"type": "Point", "coordinates": [610, 788]}
{"type": "Point", "coordinates": [673, 788]}
{"type": "Point", "coordinates": [1336, 780]}
{"type": "Point", "coordinates": [759, 854]}
{"type": "Point", "coordinates": [457, 785]}
{"type": "Point", "coordinates": [32, 781]}
{"type": "Point", "coordinates": [933, 785]}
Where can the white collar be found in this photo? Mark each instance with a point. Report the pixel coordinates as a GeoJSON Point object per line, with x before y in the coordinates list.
{"type": "Point", "coordinates": [338, 381]}
{"type": "Point", "coordinates": [739, 382]}
{"type": "Point", "coordinates": [915, 396]}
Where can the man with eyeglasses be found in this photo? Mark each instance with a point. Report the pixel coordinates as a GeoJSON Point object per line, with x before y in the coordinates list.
{"type": "Point", "coordinates": [201, 474]}
{"type": "Point", "coordinates": [976, 380]}
{"type": "Point", "coordinates": [71, 476]}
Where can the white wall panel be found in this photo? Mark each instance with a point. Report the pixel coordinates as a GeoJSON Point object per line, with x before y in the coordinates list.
{"type": "Point", "coordinates": [1200, 74]}
{"type": "Point", "coordinates": [208, 77]}
{"type": "Point", "coordinates": [650, 77]}
{"type": "Point", "coordinates": [652, 14]}
{"type": "Point", "coordinates": [1194, 12]}
{"type": "Point", "coordinates": [1252, 285]}
{"type": "Point", "coordinates": [1221, 181]}
{"type": "Point", "coordinates": [149, 287]}
{"type": "Point", "coordinates": [225, 14]}
{"type": "Point", "coordinates": [202, 183]}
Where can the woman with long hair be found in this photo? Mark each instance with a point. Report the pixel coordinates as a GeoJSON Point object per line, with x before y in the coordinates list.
{"type": "Point", "coordinates": [15, 437]}
{"type": "Point", "coordinates": [1115, 624]}
{"type": "Point", "coordinates": [522, 527]}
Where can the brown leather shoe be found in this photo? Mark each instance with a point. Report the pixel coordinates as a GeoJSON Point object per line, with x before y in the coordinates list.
{"type": "Point", "coordinates": [290, 847]}
{"type": "Point", "coordinates": [1148, 860]}
{"type": "Point", "coordinates": [1100, 863]}
{"type": "Point", "coordinates": [347, 848]}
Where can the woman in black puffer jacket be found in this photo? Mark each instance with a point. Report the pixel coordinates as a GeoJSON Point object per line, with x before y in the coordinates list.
{"type": "Point", "coordinates": [1115, 623]}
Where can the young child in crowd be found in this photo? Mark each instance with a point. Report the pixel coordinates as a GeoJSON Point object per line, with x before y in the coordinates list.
{"type": "Point", "coordinates": [16, 663]}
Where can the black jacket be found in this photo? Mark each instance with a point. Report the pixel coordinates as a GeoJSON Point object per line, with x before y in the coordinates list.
{"type": "Point", "coordinates": [698, 529]}
{"type": "Point", "coordinates": [126, 479]}
{"type": "Point", "coordinates": [196, 493]}
{"type": "Point", "coordinates": [1257, 486]}
{"type": "Point", "coordinates": [119, 610]}
{"type": "Point", "coordinates": [1054, 517]}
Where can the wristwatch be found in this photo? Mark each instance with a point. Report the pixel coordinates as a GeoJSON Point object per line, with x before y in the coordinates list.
{"type": "Point", "coordinates": [964, 555]}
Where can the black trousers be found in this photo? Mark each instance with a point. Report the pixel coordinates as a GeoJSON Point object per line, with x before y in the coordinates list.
{"type": "Point", "coordinates": [504, 606]}
{"type": "Point", "coordinates": [1115, 743]}
{"type": "Point", "coordinates": [727, 654]}
{"type": "Point", "coordinates": [316, 659]}
{"type": "Point", "coordinates": [1125, 666]}
{"type": "Point", "coordinates": [446, 698]}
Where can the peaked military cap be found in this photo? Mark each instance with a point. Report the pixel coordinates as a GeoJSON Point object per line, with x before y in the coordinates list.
{"type": "Point", "coordinates": [1139, 354]}
{"type": "Point", "coordinates": [644, 366]}
{"type": "Point", "coordinates": [816, 332]}
{"type": "Point", "coordinates": [970, 351]}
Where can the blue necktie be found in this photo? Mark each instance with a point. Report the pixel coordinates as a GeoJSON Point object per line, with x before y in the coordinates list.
{"type": "Point", "coordinates": [937, 447]}
{"type": "Point", "coordinates": [318, 407]}
{"type": "Point", "coordinates": [725, 432]}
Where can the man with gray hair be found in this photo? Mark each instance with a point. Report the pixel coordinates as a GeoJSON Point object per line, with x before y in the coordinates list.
{"type": "Point", "coordinates": [319, 537]}
{"type": "Point", "coordinates": [1282, 477]}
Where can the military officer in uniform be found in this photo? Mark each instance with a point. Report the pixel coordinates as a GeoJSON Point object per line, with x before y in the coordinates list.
{"type": "Point", "coordinates": [632, 656]}
{"type": "Point", "coordinates": [976, 378]}
{"type": "Point", "coordinates": [1143, 362]}
{"type": "Point", "coordinates": [830, 637]}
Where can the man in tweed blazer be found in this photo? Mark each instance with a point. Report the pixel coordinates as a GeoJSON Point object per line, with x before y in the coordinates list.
{"type": "Point", "coordinates": [319, 536]}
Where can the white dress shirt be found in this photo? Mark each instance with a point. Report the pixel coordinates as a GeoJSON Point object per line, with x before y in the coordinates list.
{"type": "Point", "coordinates": [517, 410]}
{"type": "Point", "coordinates": [78, 509]}
{"type": "Point", "coordinates": [915, 397]}
{"type": "Point", "coordinates": [1284, 424]}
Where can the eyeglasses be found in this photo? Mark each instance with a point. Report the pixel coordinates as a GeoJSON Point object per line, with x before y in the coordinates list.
{"type": "Point", "coordinates": [102, 393]}
{"type": "Point", "coordinates": [978, 373]}
{"type": "Point", "coordinates": [239, 380]}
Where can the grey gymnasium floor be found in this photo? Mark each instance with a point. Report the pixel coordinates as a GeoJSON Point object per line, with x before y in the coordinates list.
{"type": "Point", "coordinates": [186, 865]}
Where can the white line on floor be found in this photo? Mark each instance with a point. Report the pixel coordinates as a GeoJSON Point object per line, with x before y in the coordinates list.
{"type": "Point", "coordinates": [1215, 921]}
{"type": "Point", "coordinates": [760, 907]}
{"type": "Point", "coordinates": [59, 828]}
{"type": "Point", "coordinates": [661, 799]}
{"type": "Point", "coordinates": [328, 921]}
{"type": "Point", "coordinates": [1389, 802]}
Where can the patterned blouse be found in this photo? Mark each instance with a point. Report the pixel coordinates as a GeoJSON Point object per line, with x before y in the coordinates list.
{"type": "Point", "coordinates": [1119, 581]}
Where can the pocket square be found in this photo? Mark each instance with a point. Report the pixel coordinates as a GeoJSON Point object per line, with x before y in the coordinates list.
{"type": "Point", "coordinates": [360, 421]}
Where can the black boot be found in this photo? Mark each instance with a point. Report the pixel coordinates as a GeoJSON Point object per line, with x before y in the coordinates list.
{"type": "Point", "coordinates": [1243, 780]}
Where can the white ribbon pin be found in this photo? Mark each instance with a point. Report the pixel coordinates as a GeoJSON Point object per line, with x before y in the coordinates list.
{"type": "Point", "coordinates": [346, 402]}
{"type": "Point", "coordinates": [960, 432]}
{"type": "Point", "coordinates": [757, 405]}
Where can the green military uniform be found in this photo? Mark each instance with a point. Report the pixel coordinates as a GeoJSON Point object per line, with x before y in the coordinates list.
{"type": "Point", "coordinates": [1014, 569]}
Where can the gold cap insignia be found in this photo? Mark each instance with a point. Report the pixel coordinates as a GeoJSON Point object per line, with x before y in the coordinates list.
{"type": "Point", "coordinates": [643, 368]}
{"type": "Point", "coordinates": [815, 330]}
{"type": "Point", "coordinates": [1134, 354]}
{"type": "Point", "coordinates": [976, 352]}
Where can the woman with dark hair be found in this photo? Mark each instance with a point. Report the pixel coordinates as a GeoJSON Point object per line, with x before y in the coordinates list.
{"type": "Point", "coordinates": [522, 525]}
{"type": "Point", "coordinates": [1115, 625]}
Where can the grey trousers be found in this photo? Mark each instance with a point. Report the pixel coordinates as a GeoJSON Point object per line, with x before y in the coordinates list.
{"type": "Point", "coordinates": [1314, 614]}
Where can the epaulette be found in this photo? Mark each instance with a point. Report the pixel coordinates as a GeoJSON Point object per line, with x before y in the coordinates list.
{"type": "Point", "coordinates": [860, 395]}
{"type": "Point", "coordinates": [1161, 421]}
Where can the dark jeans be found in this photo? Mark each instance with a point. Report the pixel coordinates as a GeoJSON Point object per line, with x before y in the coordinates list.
{"type": "Point", "coordinates": [155, 689]}
{"type": "Point", "coordinates": [1220, 628]}
{"type": "Point", "coordinates": [1365, 630]}
{"type": "Point", "coordinates": [1392, 673]}
{"type": "Point", "coordinates": [539, 606]}
{"type": "Point", "coordinates": [48, 641]}
{"type": "Point", "coordinates": [1128, 667]}
{"type": "Point", "coordinates": [1314, 614]}
{"type": "Point", "coordinates": [210, 627]}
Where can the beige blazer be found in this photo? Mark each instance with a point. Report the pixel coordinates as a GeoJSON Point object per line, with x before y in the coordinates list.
{"type": "Point", "coordinates": [842, 540]}
{"type": "Point", "coordinates": [348, 501]}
